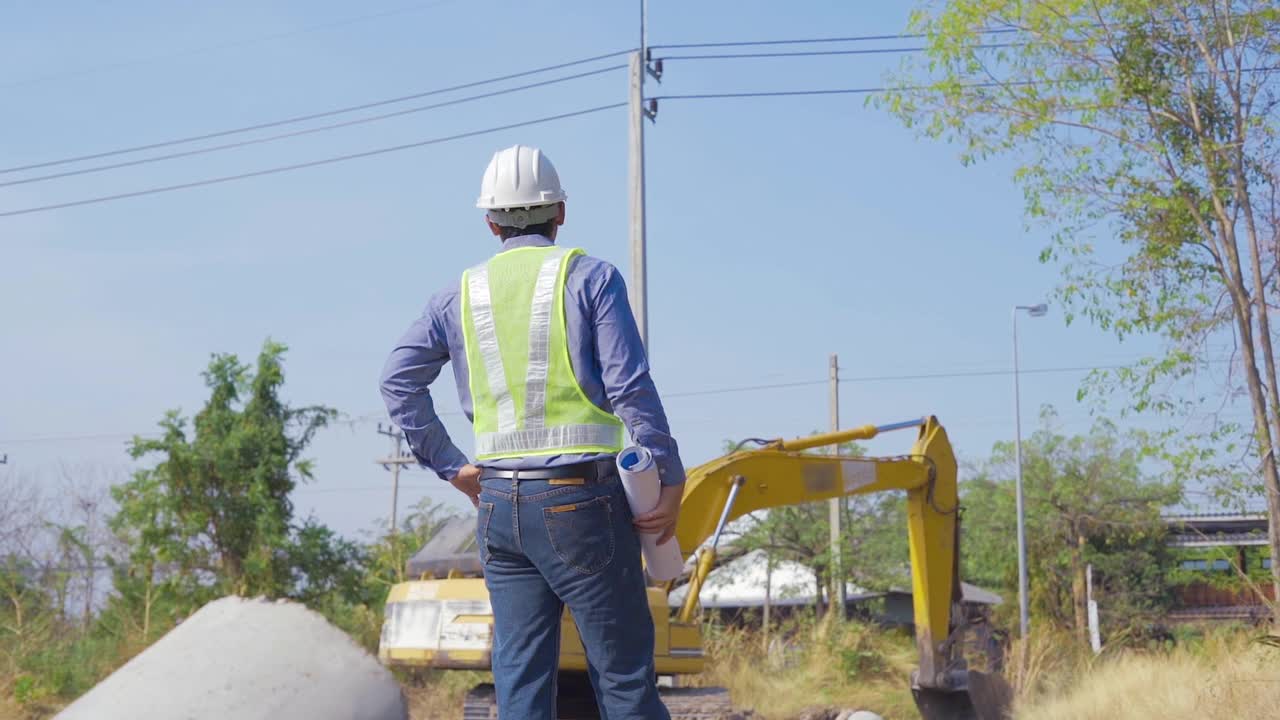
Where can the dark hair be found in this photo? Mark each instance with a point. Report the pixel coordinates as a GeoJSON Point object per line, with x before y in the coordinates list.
{"type": "Point", "coordinates": [543, 228]}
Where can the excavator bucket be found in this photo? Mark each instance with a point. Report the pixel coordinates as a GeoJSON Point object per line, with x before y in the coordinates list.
{"type": "Point", "coordinates": [974, 695]}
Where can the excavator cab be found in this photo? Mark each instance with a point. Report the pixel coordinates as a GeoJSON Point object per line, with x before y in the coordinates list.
{"type": "Point", "coordinates": [442, 619]}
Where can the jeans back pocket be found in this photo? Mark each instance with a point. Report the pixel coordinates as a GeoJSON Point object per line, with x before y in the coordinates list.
{"type": "Point", "coordinates": [484, 513]}
{"type": "Point", "coordinates": [581, 534]}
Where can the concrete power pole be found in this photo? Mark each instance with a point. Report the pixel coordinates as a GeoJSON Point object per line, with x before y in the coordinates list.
{"type": "Point", "coordinates": [90, 508]}
{"type": "Point", "coordinates": [640, 66]}
{"type": "Point", "coordinates": [836, 504]}
{"type": "Point", "coordinates": [393, 463]}
{"type": "Point", "coordinates": [639, 287]}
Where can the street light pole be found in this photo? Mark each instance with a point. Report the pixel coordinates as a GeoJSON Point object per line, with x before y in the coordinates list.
{"type": "Point", "coordinates": [1024, 614]}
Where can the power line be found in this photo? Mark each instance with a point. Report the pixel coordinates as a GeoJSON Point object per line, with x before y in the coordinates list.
{"type": "Point", "coordinates": [982, 373]}
{"type": "Point", "coordinates": [838, 91]}
{"type": "Point", "coordinates": [893, 378]}
{"type": "Point", "coordinates": [812, 41]}
{"type": "Point", "coordinates": [311, 116]}
{"type": "Point", "coordinates": [890, 378]}
{"type": "Point", "coordinates": [774, 93]}
{"type": "Point", "coordinates": [229, 45]}
{"type": "Point", "coordinates": [819, 53]}
{"type": "Point", "coordinates": [743, 388]}
{"type": "Point", "coordinates": [870, 90]}
{"type": "Point", "coordinates": [414, 96]}
{"type": "Point", "coordinates": [1001, 372]}
{"type": "Point", "coordinates": [309, 164]}
{"type": "Point", "coordinates": [308, 131]}
{"type": "Point", "coordinates": [903, 88]}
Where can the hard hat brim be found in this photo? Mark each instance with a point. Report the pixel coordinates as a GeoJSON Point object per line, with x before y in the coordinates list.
{"type": "Point", "coordinates": [489, 203]}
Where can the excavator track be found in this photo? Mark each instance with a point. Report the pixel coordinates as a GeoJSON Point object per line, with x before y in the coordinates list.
{"type": "Point", "coordinates": [575, 704]}
{"type": "Point", "coordinates": [480, 704]}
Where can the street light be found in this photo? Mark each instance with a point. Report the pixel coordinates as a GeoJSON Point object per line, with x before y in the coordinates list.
{"type": "Point", "coordinates": [1024, 615]}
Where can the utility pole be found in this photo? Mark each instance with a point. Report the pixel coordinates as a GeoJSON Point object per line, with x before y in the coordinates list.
{"type": "Point", "coordinates": [393, 463]}
{"type": "Point", "coordinates": [639, 286]}
{"type": "Point", "coordinates": [836, 504]}
{"type": "Point", "coordinates": [90, 508]}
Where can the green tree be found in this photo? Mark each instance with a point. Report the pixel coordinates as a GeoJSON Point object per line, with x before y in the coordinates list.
{"type": "Point", "coordinates": [326, 567]}
{"type": "Point", "coordinates": [1150, 124]}
{"type": "Point", "coordinates": [216, 503]}
{"type": "Point", "coordinates": [1087, 502]}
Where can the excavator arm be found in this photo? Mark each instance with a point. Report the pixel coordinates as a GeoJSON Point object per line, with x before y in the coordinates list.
{"type": "Point", "coordinates": [781, 473]}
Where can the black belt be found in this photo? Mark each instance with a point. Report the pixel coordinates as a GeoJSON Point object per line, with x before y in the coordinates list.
{"type": "Point", "coordinates": [593, 471]}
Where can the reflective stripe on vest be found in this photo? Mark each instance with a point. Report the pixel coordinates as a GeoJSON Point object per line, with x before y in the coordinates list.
{"type": "Point", "coordinates": [487, 337]}
{"type": "Point", "coordinates": [559, 438]}
{"type": "Point", "coordinates": [535, 384]}
{"type": "Point", "coordinates": [500, 352]}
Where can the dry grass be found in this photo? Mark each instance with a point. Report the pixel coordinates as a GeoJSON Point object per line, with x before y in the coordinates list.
{"type": "Point", "coordinates": [1223, 676]}
{"type": "Point", "coordinates": [9, 710]}
{"type": "Point", "coordinates": [849, 666]}
{"type": "Point", "coordinates": [1045, 664]}
{"type": "Point", "coordinates": [438, 694]}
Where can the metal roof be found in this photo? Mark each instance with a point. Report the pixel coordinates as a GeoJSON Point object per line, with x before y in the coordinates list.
{"type": "Point", "coordinates": [1223, 529]}
{"type": "Point", "coordinates": [1245, 516]}
{"type": "Point", "coordinates": [1217, 540]}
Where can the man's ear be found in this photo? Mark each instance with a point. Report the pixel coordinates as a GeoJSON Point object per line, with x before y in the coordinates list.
{"type": "Point", "coordinates": [493, 227]}
{"type": "Point", "coordinates": [560, 214]}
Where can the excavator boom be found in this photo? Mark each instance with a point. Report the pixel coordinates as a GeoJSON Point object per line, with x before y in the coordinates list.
{"type": "Point", "coordinates": [782, 473]}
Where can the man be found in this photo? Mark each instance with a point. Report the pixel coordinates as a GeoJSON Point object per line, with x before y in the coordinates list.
{"type": "Point", "coordinates": [549, 368]}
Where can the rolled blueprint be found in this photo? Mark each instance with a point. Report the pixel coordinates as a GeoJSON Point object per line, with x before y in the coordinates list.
{"type": "Point", "coordinates": [641, 484]}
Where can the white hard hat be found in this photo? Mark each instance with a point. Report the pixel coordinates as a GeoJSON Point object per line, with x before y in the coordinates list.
{"type": "Point", "coordinates": [519, 177]}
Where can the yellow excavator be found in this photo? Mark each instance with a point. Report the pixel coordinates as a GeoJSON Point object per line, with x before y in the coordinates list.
{"type": "Point", "coordinates": [443, 619]}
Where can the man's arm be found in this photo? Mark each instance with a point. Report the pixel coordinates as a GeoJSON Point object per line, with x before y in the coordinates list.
{"type": "Point", "coordinates": [625, 371]}
{"type": "Point", "coordinates": [406, 378]}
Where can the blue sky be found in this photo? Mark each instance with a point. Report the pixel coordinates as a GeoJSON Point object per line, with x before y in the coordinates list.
{"type": "Point", "coordinates": [780, 230]}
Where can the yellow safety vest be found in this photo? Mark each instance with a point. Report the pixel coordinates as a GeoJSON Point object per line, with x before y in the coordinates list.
{"type": "Point", "coordinates": [525, 396]}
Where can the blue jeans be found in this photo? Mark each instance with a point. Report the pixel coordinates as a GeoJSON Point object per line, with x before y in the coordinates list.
{"type": "Point", "coordinates": [545, 546]}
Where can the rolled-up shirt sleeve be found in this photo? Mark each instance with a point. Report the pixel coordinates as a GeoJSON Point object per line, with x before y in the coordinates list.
{"type": "Point", "coordinates": [624, 369]}
{"type": "Point", "coordinates": [406, 378]}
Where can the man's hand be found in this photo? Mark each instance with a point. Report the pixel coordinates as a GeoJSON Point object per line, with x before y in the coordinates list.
{"type": "Point", "coordinates": [468, 481]}
{"type": "Point", "coordinates": [662, 519]}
